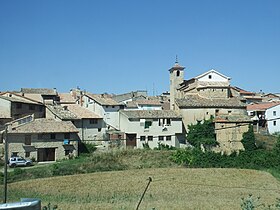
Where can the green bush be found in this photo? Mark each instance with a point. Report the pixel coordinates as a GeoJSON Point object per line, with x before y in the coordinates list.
{"type": "Point", "coordinates": [162, 146]}
{"type": "Point", "coordinates": [249, 140]}
{"type": "Point", "coordinates": [202, 133]}
{"type": "Point", "coordinates": [87, 148]}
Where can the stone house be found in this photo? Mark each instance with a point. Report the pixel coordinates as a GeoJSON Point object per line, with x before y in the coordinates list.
{"type": "Point", "coordinates": [204, 96]}
{"type": "Point", "coordinates": [14, 106]}
{"type": "Point", "coordinates": [42, 95]}
{"type": "Point", "coordinates": [229, 130]}
{"type": "Point", "coordinates": [43, 139]}
{"type": "Point", "coordinates": [247, 96]}
{"type": "Point", "coordinates": [91, 126]}
{"type": "Point", "coordinates": [152, 127]}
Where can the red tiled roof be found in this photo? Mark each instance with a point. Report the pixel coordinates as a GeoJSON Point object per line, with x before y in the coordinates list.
{"type": "Point", "coordinates": [261, 106]}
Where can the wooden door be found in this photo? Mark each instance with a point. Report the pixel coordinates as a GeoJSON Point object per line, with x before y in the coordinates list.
{"type": "Point", "coordinates": [131, 140]}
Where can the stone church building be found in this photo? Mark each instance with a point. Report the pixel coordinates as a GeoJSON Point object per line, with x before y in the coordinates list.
{"type": "Point", "coordinates": [210, 95]}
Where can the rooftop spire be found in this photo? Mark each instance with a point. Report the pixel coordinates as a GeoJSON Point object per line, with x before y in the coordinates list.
{"type": "Point", "coordinates": [176, 59]}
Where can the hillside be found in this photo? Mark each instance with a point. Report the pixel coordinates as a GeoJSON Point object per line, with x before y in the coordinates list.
{"type": "Point", "coordinates": [171, 188]}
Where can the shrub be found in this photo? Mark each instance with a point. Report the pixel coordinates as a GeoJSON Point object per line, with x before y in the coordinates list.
{"type": "Point", "coordinates": [202, 133]}
{"type": "Point", "coordinates": [87, 147]}
{"type": "Point", "coordinates": [183, 156]}
{"type": "Point", "coordinates": [162, 146]}
{"type": "Point", "coordinates": [249, 140]}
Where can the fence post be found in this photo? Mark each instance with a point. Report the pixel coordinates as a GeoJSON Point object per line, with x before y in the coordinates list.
{"type": "Point", "coordinates": [150, 180]}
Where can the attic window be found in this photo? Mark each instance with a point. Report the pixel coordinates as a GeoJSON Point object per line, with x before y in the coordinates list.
{"type": "Point", "coordinates": [210, 76]}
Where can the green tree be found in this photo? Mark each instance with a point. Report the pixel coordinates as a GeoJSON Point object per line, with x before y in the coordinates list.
{"type": "Point", "coordinates": [202, 133]}
{"type": "Point", "coordinates": [249, 140]}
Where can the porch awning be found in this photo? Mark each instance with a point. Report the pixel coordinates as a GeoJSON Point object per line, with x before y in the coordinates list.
{"type": "Point", "coordinates": [29, 148]}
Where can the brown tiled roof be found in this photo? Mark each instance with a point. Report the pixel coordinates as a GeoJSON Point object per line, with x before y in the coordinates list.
{"type": "Point", "coordinates": [66, 98]}
{"type": "Point", "coordinates": [19, 99]}
{"type": "Point", "coordinates": [46, 126]}
{"type": "Point", "coordinates": [102, 100]}
{"type": "Point", "coordinates": [149, 102]}
{"type": "Point", "coordinates": [131, 104]}
{"type": "Point", "coordinates": [261, 106]}
{"type": "Point", "coordinates": [82, 112]}
{"type": "Point", "coordinates": [232, 118]}
{"type": "Point", "coordinates": [194, 101]}
{"type": "Point", "coordinates": [42, 91]}
{"type": "Point", "coordinates": [150, 114]}
{"type": "Point", "coordinates": [62, 112]}
{"type": "Point", "coordinates": [204, 84]}
{"type": "Point", "coordinates": [35, 97]}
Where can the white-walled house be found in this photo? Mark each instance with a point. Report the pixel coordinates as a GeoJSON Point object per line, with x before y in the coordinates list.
{"type": "Point", "coordinates": [152, 127]}
{"type": "Point", "coordinates": [273, 119]}
{"type": "Point", "coordinates": [103, 106]}
{"type": "Point", "coordinates": [265, 116]}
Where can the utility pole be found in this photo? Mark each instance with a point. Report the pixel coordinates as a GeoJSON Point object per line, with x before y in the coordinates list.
{"type": "Point", "coordinates": [5, 163]}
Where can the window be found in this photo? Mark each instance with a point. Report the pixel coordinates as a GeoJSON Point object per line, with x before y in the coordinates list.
{"type": "Point", "coordinates": [52, 135]}
{"type": "Point", "coordinates": [31, 107]}
{"type": "Point", "coordinates": [168, 121]}
{"type": "Point", "coordinates": [113, 107]}
{"type": "Point", "coordinates": [147, 124]}
{"type": "Point", "coordinates": [19, 106]}
{"type": "Point", "coordinates": [67, 152]}
{"type": "Point", "coordinates": [274, 113]}
{"type": "Point", "coordinates": [274, 123]}
{"type": "Point", "coordinates": [178, 73]}
{"type": "Point", "coordinates": [150, 138]}
{"type": "Point", "coordinates": [210, 76]}
{"type": "Point", "coordinates": [168, 138]}
{"type": "Point", "coordinates": [99, 129]}
{"type": "Point", "coordinates": [66, 135]}
{"type": "Point", "coordinates": [93, 121]}
{"type": "Point", "coordinates": [229, 112]}
{"type": "Point", "coordinates": [27, 154]}
{"type": "Point", "coordinates": [163, 122]}
{"type": "Point", "coordinates": [27, 140]}
{"type": "Point", "coordinates": [142, 138]}
{"type": "Point", "coordinates": [160, 138]}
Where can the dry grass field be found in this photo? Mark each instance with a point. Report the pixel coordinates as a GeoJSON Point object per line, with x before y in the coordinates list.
{"type": "Point", "coordinates": [171, 188]}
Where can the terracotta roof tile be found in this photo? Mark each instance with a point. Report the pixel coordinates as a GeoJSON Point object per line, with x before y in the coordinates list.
{"type": "Point", "coordinates": [232, 118]}
{"type": "Point", "coordinates": [197, 101]}
{"type": "Point", "coordinates": [261, 106]}
{"type": "Point", "coordinates": [82, 112]}
{"type": "Point", "coordinates": [150, 114]}
{"type": "Point", "coordinates": [46, 126]}
{"type": "Point", "coordinates": [62, 112]}
{"type": "Point", "coordinates": [66, 98]}
{"type": "Point", "coordinates": [42, 91]}
{"type": "Point", "coordinates": [102, 100]}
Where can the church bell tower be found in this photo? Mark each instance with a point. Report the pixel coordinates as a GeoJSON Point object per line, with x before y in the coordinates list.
{"type": "Point", "coordinates": [176, 75]}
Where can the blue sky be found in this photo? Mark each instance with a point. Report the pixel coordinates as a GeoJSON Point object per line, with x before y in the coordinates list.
{"type": "Point", "coordinates": [120, 46]}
